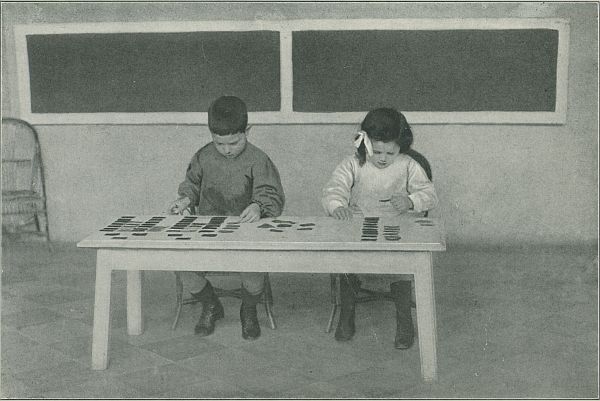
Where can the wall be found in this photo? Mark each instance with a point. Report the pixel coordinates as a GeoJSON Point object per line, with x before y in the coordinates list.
{"type": "Point", "coordinates": [497, 183]}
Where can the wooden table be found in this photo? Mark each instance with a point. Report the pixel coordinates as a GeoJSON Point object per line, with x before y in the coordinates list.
{"type": "Point", "coordinates": [136, 243]}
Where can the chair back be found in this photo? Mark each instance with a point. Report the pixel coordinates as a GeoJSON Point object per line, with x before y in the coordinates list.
{"type": "Point", "coordinates": [21, 158]}
{"type": "Point", "coordinates": [419, 158]}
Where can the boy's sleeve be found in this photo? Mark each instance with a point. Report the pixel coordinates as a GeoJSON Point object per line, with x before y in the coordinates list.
{"type": "Point", "coordinates": [267, 190]}
{"type": "Point", "coordinates": [420, 189]}
{"type": "Point", "coordinates": [190, 187]}
{"type": "Point", "coordinates": [337, 190]}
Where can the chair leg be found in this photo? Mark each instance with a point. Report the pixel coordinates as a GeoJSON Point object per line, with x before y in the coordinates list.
{"type": "Point", "coordinates": [42, 223]}
{"type": "Point", "coordinates": [334, 301]}
{"type": "Point", "coordinates": [179, 292]}
{"type": "Point", "coordinates": [42, 219]}
{"type": "Point", "coordinates": [268, 300]}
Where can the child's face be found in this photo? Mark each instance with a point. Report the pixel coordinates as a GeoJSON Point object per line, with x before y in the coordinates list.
{"type": "Point", "coordinates": [384, 153]}
{"type": "Point", "coordinates": [230, 146]}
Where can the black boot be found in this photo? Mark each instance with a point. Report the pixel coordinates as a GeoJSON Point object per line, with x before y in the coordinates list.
{"type": "Point", "coordinates": [212, 310]}
{"type": "Point", "coordinates": [405, 333]}
{"type": "Point", "coordinates": [349, 286]}
{"type": "Point", "coordinates": [248, 317]}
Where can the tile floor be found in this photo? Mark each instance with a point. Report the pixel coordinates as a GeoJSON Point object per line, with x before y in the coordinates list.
{"type": "Point", "coordinates": [512, 323]}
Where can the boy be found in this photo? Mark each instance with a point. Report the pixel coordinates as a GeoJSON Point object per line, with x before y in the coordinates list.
{"type": "Point", "coordinates": [230, 177]}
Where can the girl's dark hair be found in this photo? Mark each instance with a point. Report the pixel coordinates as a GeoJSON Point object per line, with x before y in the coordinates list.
{"type": "Point", "coordinates": [385, 125]}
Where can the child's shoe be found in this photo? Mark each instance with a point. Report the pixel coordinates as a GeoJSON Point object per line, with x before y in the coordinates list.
{"type": "Point", "coordinates": [248, 316]}
{"type": "Point", "coordinates": [405, 334]}
{"type": "Point", "coordinates": [346, 328]}
{"type": "Point", "coordinates": [212, 310]}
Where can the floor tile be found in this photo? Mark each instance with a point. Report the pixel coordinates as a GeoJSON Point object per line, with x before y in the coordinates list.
{"type": "Point", "coordinates": [13, 339]}
{"type": "Point", "coordinates": [83, 281]}
{"type": "Point", "coordinates": [219, 362]}
{"type": "Point", "coordinates": [566, 323]}
{"type": "Point", "coordinates": [589, 336]}
{"type": "Point", "coordinates": [123, 357]}
{"type": "Point", "coordinates": [29, 289]}
{"type": "Point", "coordinates": [16, 275]}
{"type": "Point", "coordinates": [466, 383]}
{"type": "Point", "coordinates": [176, 349]}
{"type": "Point", "coordinates": [104, 387]}
{"type": "Point", "coordinates": [155, 330]}
{"type": "Point", "coordinates": [212, 388]}
{"type": "Point", "coordinates": [80, 348]}
{"type": "Point", "coordinates": [57, 296]}
{"type": "Point", "coordinates": [312, 360]}
{"type": "Point", "coordinates": [83, 310]}
{"type": "Point", "coordinates": [56, 377]}
{"type": "Point", "coordinates": [29, 317]}
{"type": "Point", "coordinates": [267, 381]}
{"type": "Point", "coordinates": [13, 305]}
{"type": "Point", "coordinates": [321, 390]}
{"type": "Point", "coordinates": [376, 382]}
{"type": "Point", "coordinates": [13, 388]}
{"type": "Point", "coordinates": [161, 379]}
{"type": "Point", "coordinates": [57, 330]}
{"type": "Point", "coordinates": [550, 373]}
{"type": "Point", "coordinates": [79, 310]}
{"type": "Point", "coordinates": [251, 373]}
{"type": "Point", "coordinates": [18, 359]}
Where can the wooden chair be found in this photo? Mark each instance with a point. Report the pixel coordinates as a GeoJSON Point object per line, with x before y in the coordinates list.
{"type": "Point", "coordinates": [267, 296]}
{"type": "Point", "coordinates": [365, 294]}
{"type": "Point", "coordinates": [23, 192]}
{"type": "Point", "coordinates": [266, 300]}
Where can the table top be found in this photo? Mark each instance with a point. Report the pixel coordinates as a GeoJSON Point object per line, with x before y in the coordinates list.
{"type": "Point", "coordinates": [409, 232]}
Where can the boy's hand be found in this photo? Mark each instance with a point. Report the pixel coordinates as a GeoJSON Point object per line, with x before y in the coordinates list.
{"type": "Point", "coordinates": [342, 213]}
{"type": "Point", "coordinates": [250, 214]}
{"type": "Point", "coordinates": [178, 206]}
{"type": "Point", "coordinates": [402, 203]}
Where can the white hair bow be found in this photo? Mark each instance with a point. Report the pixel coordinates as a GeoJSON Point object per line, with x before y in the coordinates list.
{"type": "Point", "coordinates": [362, 137]}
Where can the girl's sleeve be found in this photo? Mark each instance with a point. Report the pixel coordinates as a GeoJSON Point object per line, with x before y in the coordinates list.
{"type": "Point", "coordinates": [420, 189]}
{"type": "Point", "coordinates": [190, 187]}
{"type": "Point", "coordinates": [267, 190]}
{"type": "Point", "coordinates": [338, 189]}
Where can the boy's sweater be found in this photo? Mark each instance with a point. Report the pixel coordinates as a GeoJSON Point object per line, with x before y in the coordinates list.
{"type": "Point", "coordinates": [217, 185]}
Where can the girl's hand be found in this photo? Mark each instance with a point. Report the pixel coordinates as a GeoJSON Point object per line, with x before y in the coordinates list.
{"type": "Point", "coordinates": [342, 213]}
{"type": "Point", "coordinates": [178, 206]}
{"type": "Point", "coordinates": [250, 214]}
{"type": "Point", "coordinates": [401, 203]}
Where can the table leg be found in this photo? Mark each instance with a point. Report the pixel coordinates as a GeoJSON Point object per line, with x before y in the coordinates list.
{"type": "Point", "coordinates": [135, 325]}
{"type": "Point", "coordinates": [101, 329]}
{"type": "Point", "coordinates": [425, 300]}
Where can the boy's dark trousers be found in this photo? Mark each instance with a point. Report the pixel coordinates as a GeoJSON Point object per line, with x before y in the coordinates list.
{"type": "Point", "coordinates": [212, 309]}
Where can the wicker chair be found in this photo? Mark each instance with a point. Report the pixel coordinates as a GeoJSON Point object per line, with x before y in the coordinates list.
{"type": "Point", "coordinates": [23, 192]}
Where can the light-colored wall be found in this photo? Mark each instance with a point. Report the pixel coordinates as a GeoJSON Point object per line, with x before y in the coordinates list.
{"type": "Point", "coordinates": [497, 183]}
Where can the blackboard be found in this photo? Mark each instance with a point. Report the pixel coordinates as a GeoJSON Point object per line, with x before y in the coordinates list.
{"type": "Point", "coordinates": [145, 72]}
{"type": "Point", "coordinates": [425, 70]}
{"type": "Point", "coordinates": [319, 71]}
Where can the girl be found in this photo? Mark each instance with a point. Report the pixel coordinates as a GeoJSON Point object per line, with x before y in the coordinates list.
{"type": "Point", "coordinates": [380, 179]}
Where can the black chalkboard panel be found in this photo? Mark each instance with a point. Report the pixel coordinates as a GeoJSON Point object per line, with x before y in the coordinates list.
{"type": "Point", "coordinates": [425, 70]}
{"type": "Point", "coordinates": [152, 72]}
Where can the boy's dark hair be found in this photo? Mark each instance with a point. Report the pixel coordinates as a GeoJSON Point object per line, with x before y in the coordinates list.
{"type": "Point", "coordinates": [385, 125]}
{"type": "Point", "coordinates": [227, 116]}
